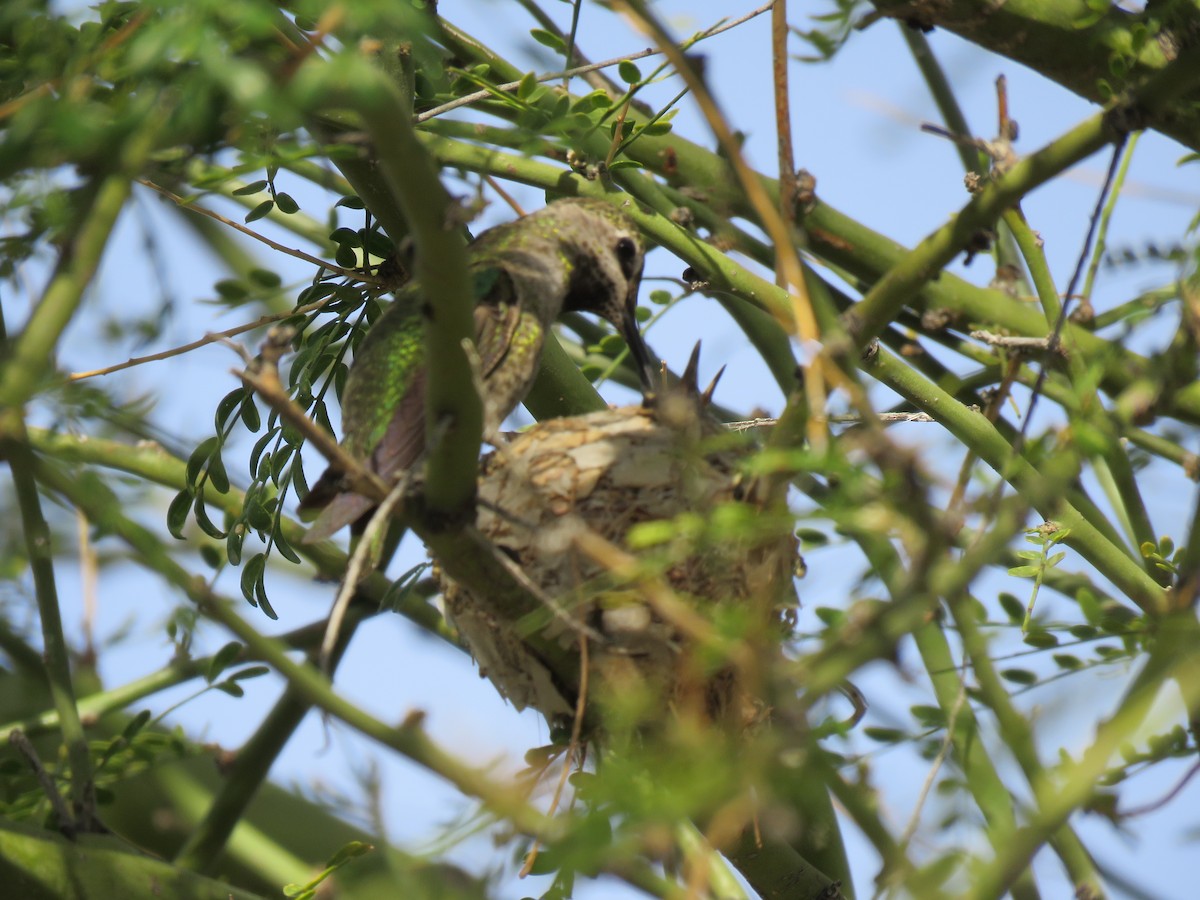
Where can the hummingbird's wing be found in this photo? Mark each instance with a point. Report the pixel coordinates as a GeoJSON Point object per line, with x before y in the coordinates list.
{"type": "Point", "coordinates": [497, 314]}
{"type": "Point", "coordinates": [383, 414]}
{"type": "Point", "coordinates": [504, 330]}
{"type": "Point", "coordinates": [383, 406]}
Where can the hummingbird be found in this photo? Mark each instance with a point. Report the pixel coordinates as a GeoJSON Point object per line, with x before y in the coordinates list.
{"type": "Point", "coordinates": [574, 255]}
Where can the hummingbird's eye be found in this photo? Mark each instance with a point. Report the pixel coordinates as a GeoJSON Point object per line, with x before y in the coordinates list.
{"type": "Point", "coordinates": [627, 254]}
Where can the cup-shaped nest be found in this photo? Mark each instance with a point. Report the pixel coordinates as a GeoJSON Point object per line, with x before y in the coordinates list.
{"type": "Point", "coordinates": [638, 534]}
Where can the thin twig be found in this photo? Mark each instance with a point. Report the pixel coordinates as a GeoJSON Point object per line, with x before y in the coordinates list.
{"type": "Point", "coordinates": [19, 742]}
{"type": "Point", "coordinates": [249, 232]}
{"type": "Point", "coordinates": [1160, 803]}
{"type": "Point", "coordinates": [508, 198]}
{"type": "Point", "coordinates": [799, 317]}
{"type": "Point", "coordinates": [209, 338]}
{"type": "Point", "coordinates": [1021, 344]}
{"type": "Point", "coordinates": [885, 418]}
{"type": "Point", "coordinates": [88, 576]}
{"type": "Point", "coordinates": [1081, 263]}
{"type": "Point", "coordinates": [573, 749]}
{"type": "Point", "coordinates": [359, 566]}
{"type": "Point", "coordinates": [783, 127]}
{"type": "Point", "coordinates": [491, 91]}
{"type": "Point", "coordinates": [944, 751]}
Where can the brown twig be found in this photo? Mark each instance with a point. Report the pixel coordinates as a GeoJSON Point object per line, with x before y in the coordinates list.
{"type": "Point", "coordinates": [508, 198]}
{"type": "Point", "coordinates": [783, 128]}
{"type": "Point", "coordinates": [1163, 801]}
{"type": "Point", "coordinates": [210, 338]}
{"type": "Point", "coordinates": [249, 232]}
{"type": "Point", "coordinates": [581, 70]}
{"type": "Point", "coordinates": [1020, 344]}
{"type": "Point", "coordinates": [19, 742]}
{"type": "Point", "coordinates": [359, 566]}
{"type": "Point", "coordinates": [573, 749]}
{"type": "Point", "coordinates": [885, 418]}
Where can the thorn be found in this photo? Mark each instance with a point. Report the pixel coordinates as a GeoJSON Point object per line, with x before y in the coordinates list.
{"type": "Point", "coordinates": [691, 374]}
{"type": "Point", "coordinates": [706, 397]}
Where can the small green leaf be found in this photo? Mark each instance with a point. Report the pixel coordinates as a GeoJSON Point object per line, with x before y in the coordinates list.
{"type": "Point", "coordinates": [257, 515]}
{"type": "Point", "coordinates": [260, 594]}
{"type": "Point", "coordinates": [226, 407]}
{"type": "Point", "coordinates": [231, 688]}
{"type": "Point", "coordinates": [285, 549]}
{"type": "Point", "coordinates": [929, 716]}
{"type": "Point", "coordinates": [265, 278]}
{"type": "Point", "coordinates": [1041, 639]}
{"type": "Point", "coordinates": [885, 735]}
{"type": "Point", "coordinates": [548, 39]}
{"type": "Point", "coordinates": [1013, 608]}
{"type": "Point", "coordinates": [250, 417]}
{"type": "Point", "coordinates": [205, 523]}
{"type": "Point", "coordinates": [349, 851]}
{"type": "Point", "coordinates": [286, 204]}
{"type": "Point", "coordinates": [629, 72]}
{"type": "Point", "coordinates": [1019, 676]}
{"type": "Point", "coordinates": [377, 244]}
{"type": "Point", "coordinates": [199, 457]}
{"type": "Point", "coordinates": [343, 237]}
{"type": "Point", "coordinates": [259, 211]}
{"type": "Point", "coordinates": [1024, 571]}
{"type": "Point", "coordinates": [221, 660]}
{"type": "Point", "coordinates": [252, 571]}
{"type": "Point", "coordinates": [233, 544]}
{"type": "Point", "coordinates": [177, 513]}
{"type": "Point", "coordinates": [279, 462]}
{"type": "Point", "coordinates": [136, 724]}
{"type": "Point", "coordinates": [259, 446]}
{"type": "Point", "coordinates": [527, 85]}
{"type": "Point", "coordinates": [253, 187]}
{"type": "Point", "coordinates": [830, 616]}
{"type": "Point", "coordinates": [217, 475]}
{"type": "Point", "coordinates": [250, 672]}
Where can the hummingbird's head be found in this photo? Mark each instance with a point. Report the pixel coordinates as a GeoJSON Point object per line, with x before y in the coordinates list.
{"type": "Point", "coordinates": [606, 255]}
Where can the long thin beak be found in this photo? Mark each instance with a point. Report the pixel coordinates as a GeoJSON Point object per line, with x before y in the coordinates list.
{"type": "Point", "coordinates": [647, 369]}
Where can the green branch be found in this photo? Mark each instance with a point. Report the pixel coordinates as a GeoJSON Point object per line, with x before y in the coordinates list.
{"type": "Point", "coordinates": [155, 464]}
{"type": "Point", "coordinates": [57, 655]}
{"type": "Point", "coordinates": [409, 738]}
{"type": "Point", "coordinates": [895, 289]}
{"type": "Point", "coordinates": [1094, 50]}
{"type": "Point", "coordinates": [974, 430]}
{"type": "Point", "coordinates": [453, 408]}
{"type": "Point", "coordinates": [33, 352]}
